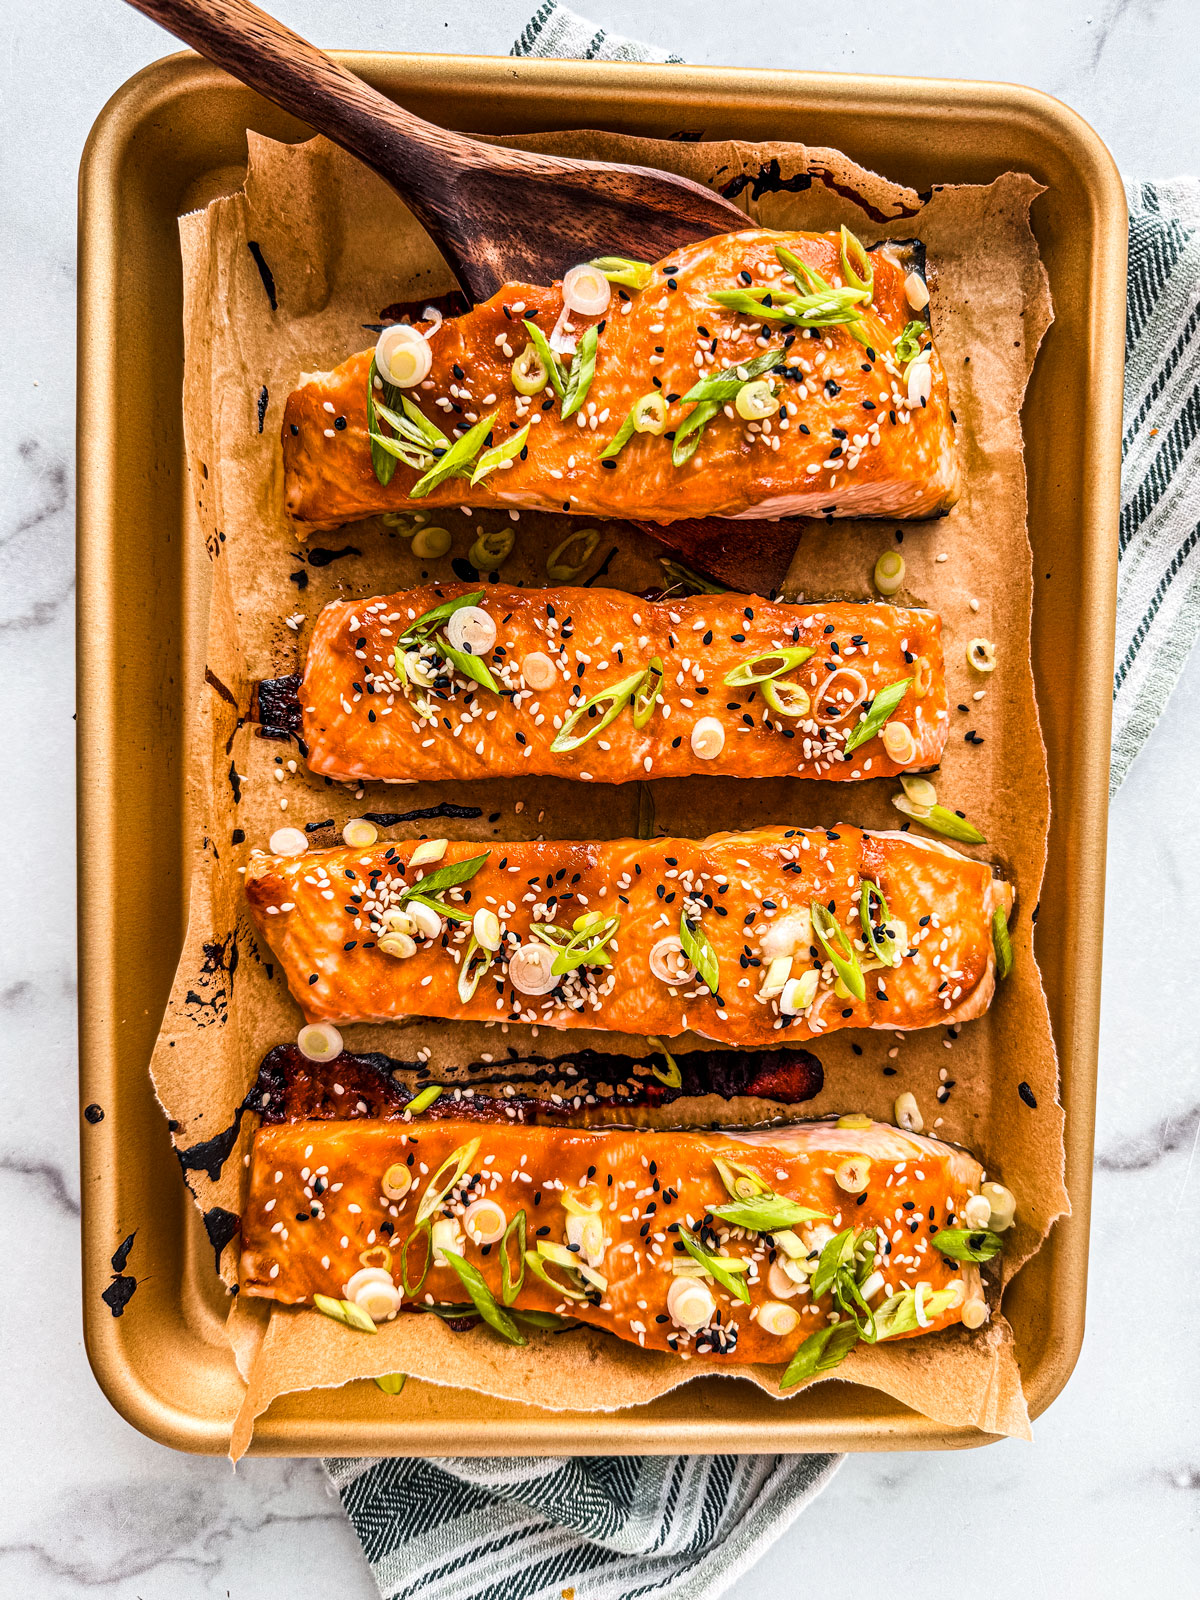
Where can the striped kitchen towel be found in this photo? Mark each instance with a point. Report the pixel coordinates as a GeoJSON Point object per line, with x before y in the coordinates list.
{"type": "Point", "coordinates": [1158, 582]}
{"type": "Point", "coordinates": [590, 1528]}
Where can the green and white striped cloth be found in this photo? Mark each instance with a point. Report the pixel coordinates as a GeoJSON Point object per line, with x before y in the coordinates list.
{"type": "Point", "coordinates": [614, 1528]}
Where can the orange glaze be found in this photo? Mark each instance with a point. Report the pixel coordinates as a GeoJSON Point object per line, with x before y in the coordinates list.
{"type": "Point", "coordinates": [889, 461]}
{"type": "Point", "coordinates": [301, 1237]}
{"type": "Point", "coordinates": [361, 722]}
{"type": "Point", "coordinates": [741, 885]}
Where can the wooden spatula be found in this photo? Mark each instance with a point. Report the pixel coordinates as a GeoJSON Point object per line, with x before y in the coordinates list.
{"type": "Point", "coordinates": [497, 215]}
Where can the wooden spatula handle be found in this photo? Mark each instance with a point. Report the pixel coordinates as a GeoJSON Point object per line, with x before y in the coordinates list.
{"type": "Point", "coordinates": [413, 155]}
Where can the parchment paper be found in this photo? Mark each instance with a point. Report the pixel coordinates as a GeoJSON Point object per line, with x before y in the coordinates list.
{"type": "Point", "coordinates": [281, 278]}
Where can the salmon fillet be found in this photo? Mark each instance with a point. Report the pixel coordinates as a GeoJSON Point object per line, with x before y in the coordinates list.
{"type": "Point", "coordinates": [317, 1215]}
{"type": "Point", "coordinates": [747, 898]}
{"type": "Point", "coordinates": [852, 438]}
{"type": "Point", "coordinates": [361, 721]}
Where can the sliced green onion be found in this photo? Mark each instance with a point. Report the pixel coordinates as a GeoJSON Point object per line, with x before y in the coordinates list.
{"type": "Point", "coordinates": [560, 1256]}
{"type": "Point", "coordinates": [836, 1253]}
{"type": "Point", "coordinates": [550, 933]}
{"type": "Point", "coordinates": [847, 1296]}
{"type": "Point", "coordinates": [492, 550]}
{"type": "Point", "coordinates": [548, 359]}
{"type": "Point", "coordinates": [538, 1267]}
{"type": "Point", "coordinates": [431, 543]}
{"type": "Point", "coordinates": [646, 415]}
{"type": "Point", "coordinates": [471, 666]}
{"type": "Point", "coordinates": [821, 1352]}
{"type": "Point", "coordinates": [698, 949]}
{"type": "Point", "coordinates": [616, 698]}
{"type": "Point", "coordinates": [584, 945]}
{"type": "Point", "coordinates": [684, 577]}
{"type": "Point", "coordinates": [908, 344]}
{"type": "Point", "coordinates": [1001, 943]}
{"type": "Point", "coordinates": [882, 706]}
{"type": "Point", "coordinates": [456, 460]}
{"type": "Point", "coordinates": [940, 819]}
{"type": "Point", "coordinates": [832, 308]}
{"type": "Point", "coordinates": [767, 1215]}
{"type": "Point", "coordinates": [889, 572]}
{"type": "Point", "coordinates": [382, 459]}
{"type": "Point", "coordinates": [581, 373]}
{"type": "Point", "coordinates": [391, 1382]}
{"type": "Point", "coordinates": [672, 1077]}
{"type": "Point", "coordinates": [771, 664]}
{"type": "Point", "coordinates": [560, 571]}
{"type": "Point", "coordinates": [806, 277]}
{"type": "Point", "coordinates": [898, 1314]}
{"type": "Point", "coordinates": [741, 1182]}
{"type": "Point", "coordinates": [429, 621]}
{"type": "Point", "coordinates": [716, 1268]}
{"type": "Point", "coordinates": [483, 1299]}
{"type": "Point", "coordinates": [835, 941]}
{"type": "Point", "coordinates": [414, 456]}
{"type": "Point", "coordinates": [725, 385]}
{"type": "Point", "coordinates": [468, 977]}
{"type": "Point", "coordinates": [647, 692]}
{"type": "Point", "coordinates": [620, 269]}
{"type": "Point", "coordinates": [785, 698]}
{"type": "Point", "coordinates": [528, 374]}
{"type": "Point", "coordinates": [423, 1101]}
{"type": "Point", "coordinates": [872, 892]}
{"type": "Point", "coordinates": [345, 1312]}
{"type": "Point", "coordinates": [455, 913]}
{"type": "Point", "coordinates": [545, 1319]}
{"type": "Point", "coordinates": [459, 1160]}
{"type": "Point", "coordinates": [423, 434]}
{"type": "Point", "coordinates": [687, 435]}
{"type": "Point", "coordinates": [499, 454]}
{"type": "Point", "coordinates": [437, 882]}
{"type": "Point", "coordinates": [857, 268]}
{"type": "Point", "coordinates": [412, 1286]}
{"type": "Point", "coordinates": [968, 1244]}
{"type": "Point", "coordinates": [510, 1286]}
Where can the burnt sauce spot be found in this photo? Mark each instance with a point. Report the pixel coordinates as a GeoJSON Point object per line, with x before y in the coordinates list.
{"type": "Point", "coordinates": [119, 1293]}
{"type": "Point", "coordinates": [264, 271]}
{"type": "Point", "coordinates": [93, 1113]}
{"type": "Point", "coordinates": [290, 1088]}
{"type": "Point", "coordinates": [214, 682]}
{"type": "Point", "coordinates": [235, 783]}
{"type": "Point", "coordinates": [120, 1256]}
{"type": "Point", "coordinates": [220, 1226]}
{"type": "Point", "coordinates": [451, 304]}
{"type": "Point", "coordinates": [768, 180]}
{"type": "Point", "coordinates": [299, 578]}
{"type": "Point", "coordinates": [210, 1155]}
{"type": "Point", "coordinates": [320, 556]}
{"type": "Point", "coordinates": [221, 956]}
{"type": "Point", "coordinates": [262, 407]}
{"type": "Point", "coordinates": [389, 819]}
{"type": "Point", "coordinates": [602, 570]}
{"type": "Point", "coordinates": [464, 570]}
{"type": "Point", "coordinates": [276, 706]}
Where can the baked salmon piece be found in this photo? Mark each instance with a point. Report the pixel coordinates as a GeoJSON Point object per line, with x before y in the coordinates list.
{"type": "Point", "coordinates": [741, 937]}
{"type": "Point", "coordinates": [738, 1245]}
{"type": "Point", "coordinates": [749, 377]}
{"type": "Point", "coordinates": [601, 685]}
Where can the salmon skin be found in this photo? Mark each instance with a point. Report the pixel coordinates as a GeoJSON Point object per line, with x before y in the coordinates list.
{"type": "Point", "coordinates": [336, 1209]}
{"type": "Point", "coordinates": [633, 926]}
{"type": "Point", "coordinates": [857, 435]}
{"type": "Point", "coordinates": [364, 715]}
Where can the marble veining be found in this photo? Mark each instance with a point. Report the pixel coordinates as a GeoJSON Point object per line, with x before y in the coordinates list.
{"type": "Point", "coordinates": [1107, 1492]}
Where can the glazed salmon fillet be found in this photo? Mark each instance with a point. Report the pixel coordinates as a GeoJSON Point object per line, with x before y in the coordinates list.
{"type": "Point", "coordinates": [554, 652]}
{"type": "Point", "coordinates": [858, 431]}
{"type": "Point", "coordinates": [737, 937]}
{"type": "Point", "coordinates": [354, 1212]}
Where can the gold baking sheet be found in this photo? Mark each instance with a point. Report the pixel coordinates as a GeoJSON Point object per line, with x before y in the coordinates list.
{"type": "Point", "coordinates": [1067, 516]}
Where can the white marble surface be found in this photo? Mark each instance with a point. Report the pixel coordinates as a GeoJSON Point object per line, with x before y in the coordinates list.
{"type": "Point", "coordinates": [1104, 1503]}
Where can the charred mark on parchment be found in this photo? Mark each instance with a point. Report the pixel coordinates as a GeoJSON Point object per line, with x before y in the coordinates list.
{"type": "Point", "coordinates": [218, 1005]}
{"type": "Point", "coordinates": [264, 272]}
{"type": "Point", "coordinates": [210, 1155]}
